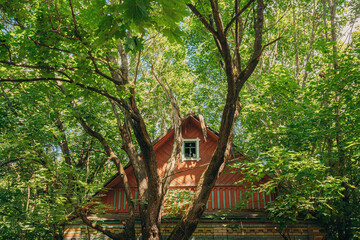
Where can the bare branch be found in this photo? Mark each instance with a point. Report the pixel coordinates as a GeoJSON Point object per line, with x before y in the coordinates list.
{"type": "Point", "coordinates": [258, 26]}
{"type": "Point", "coordinates": [34, 79]}
{"type": "Point", "coordinates": [100, 72]}
{"type": "Point", "coordinates": [98, 227]}
{"type": "Point", "coordinates": [268, 44]}
{"type": "Point", "coordinates": [223, 47]}
{"type": "Point", "coordinates": [49, 15]}
{"type": "Point", "coordinates": [47, 46]}
{"type": "Point", "coordinates": [202, 20]}
{"type": "Point", "coordinates": [168, 93]}
{"type": "Point", "coordinates": [237, 15]}
{"type": "Point", "coordinates": [74, 21]}
{"type": "Point", "coordinates": [137, 67]}
{"type": "Point", "coordinates": [58, 14]}
{"type": "Point", "coordinates": [10, 161]}
{"type": "Point", "coordinates": [176, 150]}
{"type": "Point", "coordinates": [217, 18]}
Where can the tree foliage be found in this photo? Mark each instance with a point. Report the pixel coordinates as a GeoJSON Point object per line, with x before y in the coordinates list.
{"type": "Point", "coordinates": [86, 85]}
{"type": "Point", "coordinates": [300, 123]}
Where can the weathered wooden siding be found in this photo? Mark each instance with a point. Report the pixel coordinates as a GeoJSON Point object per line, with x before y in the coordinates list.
{"type": "Point", "coordinates": [225, 195]}
{"type": "Point", "coordinates": [221, 198]}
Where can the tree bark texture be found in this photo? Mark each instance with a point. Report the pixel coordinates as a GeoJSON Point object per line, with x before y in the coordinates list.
{"type": "Point", "coordinates": [190, 220]}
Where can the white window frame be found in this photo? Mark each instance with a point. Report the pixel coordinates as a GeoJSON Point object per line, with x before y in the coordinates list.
{"type": "Point", "coordinates": [197, 158]}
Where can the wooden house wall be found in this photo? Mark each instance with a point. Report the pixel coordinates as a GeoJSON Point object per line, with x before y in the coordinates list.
{"type": "Point", "coordinates": [225, 195]}
{"type": "Point", "coordinates": [221, 198]}
{"type": "Point", "coordinates": [188, 173]}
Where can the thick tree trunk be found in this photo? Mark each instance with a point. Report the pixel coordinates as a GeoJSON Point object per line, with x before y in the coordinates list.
{"type": "Point", "coordinates": [190, 220]}
{"type": "Point", "coordinates": [152, 213]}
{"type": "Point", "coordinates": [155, 190]}
{"type": "Point", "coordinates": [153, 221]}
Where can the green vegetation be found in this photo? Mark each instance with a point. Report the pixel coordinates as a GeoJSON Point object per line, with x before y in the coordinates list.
{"type": "Point", "coordinates": [85, 86]}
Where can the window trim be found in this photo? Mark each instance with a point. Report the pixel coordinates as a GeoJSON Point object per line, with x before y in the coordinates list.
{"type": "Point", "coordinates": [197, 158]}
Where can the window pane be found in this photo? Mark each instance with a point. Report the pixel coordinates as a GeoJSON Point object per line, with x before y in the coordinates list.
{"type": "Point", "coordinates": [190, 149]}
{"type": "Point", "coordinates": [187, 152]}
{"type": "Point", "coordinates": [190, 144]}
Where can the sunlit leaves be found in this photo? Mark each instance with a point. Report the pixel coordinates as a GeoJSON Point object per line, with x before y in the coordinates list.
{"type": "Point", "coordinates": [304, 136]}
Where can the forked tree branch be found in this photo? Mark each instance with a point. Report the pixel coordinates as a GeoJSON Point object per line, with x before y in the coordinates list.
{"type": "Point", "coordinates": [255, 59]}
{"type": "Point", "coordinates": [258, 48]}
{"type": "Point", "coordinates": [74, 21]}
{"type": "Point", "coordinates": [202, 20]}
{"type": "Point", "coordinates": [98, 71]}
{"type": "Point", "coordinates": [191, 218]}
{"type": "Point", "coordinates": [237, 15]}
{"type": "Point", "coordinates": [217, 18]}
{"type": "Point", "coordinates": [177, 120]}
{"type": "Point", "coordinates": [49, 15]}
{"type": "Point", "coordinates": [134, 156]}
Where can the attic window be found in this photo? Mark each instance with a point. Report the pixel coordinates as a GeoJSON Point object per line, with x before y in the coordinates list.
{"type": "Point", "coordinates": [190, 149]}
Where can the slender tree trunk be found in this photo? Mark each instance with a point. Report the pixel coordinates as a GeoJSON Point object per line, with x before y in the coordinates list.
{"type": "Point", "coordinates": [312, 39]}
{"type": "Point", "coordinates": [152, 217]}
{"type": "Point", "coordinates": [325, 21]}
{"type": "Point", "coordinates": [333, 32]}
{"type": "Point", "coordinates": [189, 222]}
{"type": "Point", "coordinates": [344, 221]}
{"type": "Point", "coordinates": [296, 45]}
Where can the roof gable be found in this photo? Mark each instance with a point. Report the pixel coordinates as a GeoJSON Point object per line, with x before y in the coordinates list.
{"type": "Point", "coordinates": [192, 120]}
{"type": "Point", "coordinates": [187, 172]}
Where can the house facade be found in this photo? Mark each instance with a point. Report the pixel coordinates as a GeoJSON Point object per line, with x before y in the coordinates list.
{"type": "Point", "coordinates": [233, 211]}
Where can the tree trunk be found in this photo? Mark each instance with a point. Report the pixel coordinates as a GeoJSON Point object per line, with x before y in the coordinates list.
{"type": "Point", "coordinates": [296, 45]}
{"type": "Point", "coordinates": [190, 220]}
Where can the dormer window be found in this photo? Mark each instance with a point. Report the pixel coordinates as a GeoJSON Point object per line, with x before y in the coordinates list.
{"type": "Point", "coordinates": [190, 149]}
